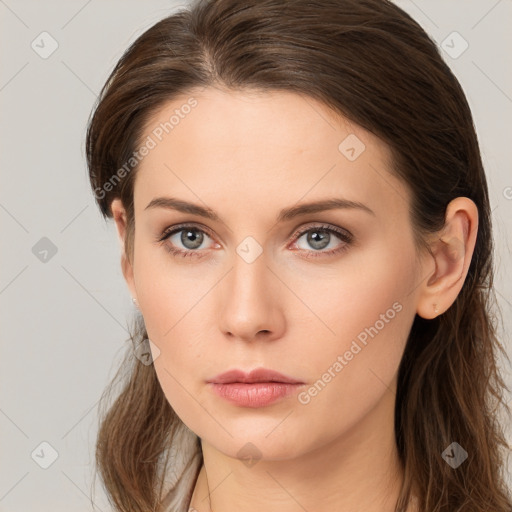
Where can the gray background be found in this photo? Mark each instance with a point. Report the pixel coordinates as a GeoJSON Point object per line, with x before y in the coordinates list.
{"type": "Point", "coordinates": [64, 316]}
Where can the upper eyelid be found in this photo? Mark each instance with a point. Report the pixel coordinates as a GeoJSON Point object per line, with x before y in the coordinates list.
{"type": "Point", "coordinates": [180, 227]}
{"type": "Point", "coordinates": [295, 233]}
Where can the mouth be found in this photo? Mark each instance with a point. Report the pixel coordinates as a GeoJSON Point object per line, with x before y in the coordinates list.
{"type": "Point", "coordinates": [255, 376]}
{"type": "Point", "coordinates": [258, 388]}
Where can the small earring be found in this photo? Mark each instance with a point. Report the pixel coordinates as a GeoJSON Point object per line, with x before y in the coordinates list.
{"type": "Point", "coordinates": [436, 309]}
{"type": "Point", "coordinates": [134, 300]}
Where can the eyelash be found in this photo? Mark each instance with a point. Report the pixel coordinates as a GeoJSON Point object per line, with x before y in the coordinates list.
{"type": "Point", "coordinates": [345, 236]}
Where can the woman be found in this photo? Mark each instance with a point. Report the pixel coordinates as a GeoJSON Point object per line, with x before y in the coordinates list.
{"type": "Point", "coordinates": [306, 231]}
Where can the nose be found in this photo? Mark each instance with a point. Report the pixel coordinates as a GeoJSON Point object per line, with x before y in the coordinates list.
{"type": "Point", "coordinates": [251, 301]}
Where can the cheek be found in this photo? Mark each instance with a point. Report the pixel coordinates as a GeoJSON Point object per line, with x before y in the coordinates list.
{"type": "Point", "coordinates": [346, 300]}
{"type": "Point", "coordinates": [173, 327]}
{"type": "Point", "coordinates": [371, 311]}
{"type": "Point", "coordinates": [171, 302]}
{"type": "Point", "coordinates": [353, 375]}
{"type": "Point", "coordinates": [166, 291]}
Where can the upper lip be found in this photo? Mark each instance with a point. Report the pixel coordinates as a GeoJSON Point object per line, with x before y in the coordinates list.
{"type": "Point", "coordinates": [257, 375]}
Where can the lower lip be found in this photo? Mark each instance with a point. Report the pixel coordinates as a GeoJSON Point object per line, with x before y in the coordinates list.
{"type": "Point", "coordinates": [257, 394]}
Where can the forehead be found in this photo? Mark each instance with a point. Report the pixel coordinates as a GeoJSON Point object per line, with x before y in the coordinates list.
{"type": "Point", "coordinates": [265, 148]}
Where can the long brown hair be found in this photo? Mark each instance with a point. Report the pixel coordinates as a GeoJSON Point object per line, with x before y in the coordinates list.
{"type": "Point", "coordinates": [372, 63]}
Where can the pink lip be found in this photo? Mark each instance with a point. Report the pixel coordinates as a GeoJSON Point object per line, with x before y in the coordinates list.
{"type": "Point", "coordinates": [258, 388]}
{"type": "Point", "coordinates": [257, 375]}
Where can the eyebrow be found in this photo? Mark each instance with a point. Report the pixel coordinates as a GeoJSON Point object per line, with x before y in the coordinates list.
{"type": "Point", "coordinates": [285, 214]}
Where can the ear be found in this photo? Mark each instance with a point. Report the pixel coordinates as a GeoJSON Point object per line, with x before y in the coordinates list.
{"type": "Point", "coordinates": [451, 252]}
{"type": "Point", "coordinates": [119, 215]}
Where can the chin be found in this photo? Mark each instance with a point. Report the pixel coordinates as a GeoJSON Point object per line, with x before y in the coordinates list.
{"type": "Point", "coordinates": [252, 444]}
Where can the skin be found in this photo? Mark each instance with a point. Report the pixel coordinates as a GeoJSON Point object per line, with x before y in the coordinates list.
{"type": "Point", "coordinates": [246, 156]}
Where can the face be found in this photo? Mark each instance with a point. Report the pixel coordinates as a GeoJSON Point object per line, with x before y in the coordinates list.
{"type": "Point", "coordinates": [326, 296]}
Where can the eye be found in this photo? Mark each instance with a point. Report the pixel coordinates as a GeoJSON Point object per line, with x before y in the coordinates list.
{"type": "Point", "coordinates": [191, 237]}
{"type": "Point", "coordinates": [319, 237]}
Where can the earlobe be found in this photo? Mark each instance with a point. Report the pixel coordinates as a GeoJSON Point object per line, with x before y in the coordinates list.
{"type": "Point", "coordinates": [451, 252]}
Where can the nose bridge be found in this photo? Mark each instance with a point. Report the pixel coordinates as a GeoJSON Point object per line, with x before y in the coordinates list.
{"type": "Point", "coordinates": [249, 307]}
{"type": "Point", "coordinates": [250, 274]}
